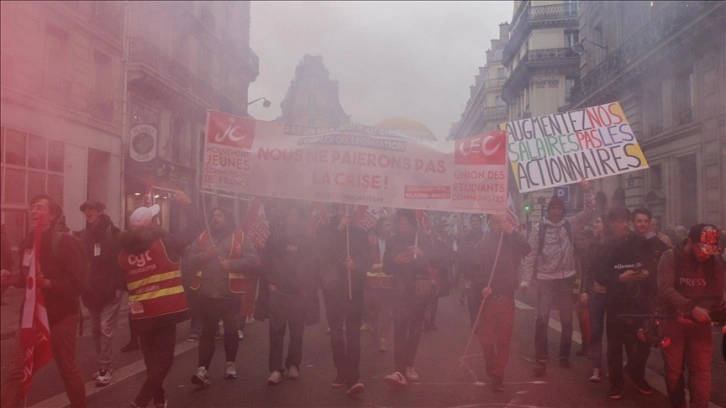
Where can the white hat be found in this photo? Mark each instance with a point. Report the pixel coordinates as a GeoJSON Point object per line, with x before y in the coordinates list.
{"type": "Point", "coordinates": [142, 216]}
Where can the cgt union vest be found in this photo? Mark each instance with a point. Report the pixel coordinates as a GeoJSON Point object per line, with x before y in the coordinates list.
{"type": "Point", "coordinates": [237, 281]}
{"type": "Point", "coordinates": [154, 283]}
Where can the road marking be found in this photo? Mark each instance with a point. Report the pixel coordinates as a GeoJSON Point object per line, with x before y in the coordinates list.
{"type": "Point", "coordinates": [129, 370]}
{"type": "Point", "coordinates": [654, 379]}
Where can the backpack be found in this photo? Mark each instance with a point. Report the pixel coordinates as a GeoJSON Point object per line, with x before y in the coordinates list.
{"type": "Point", "coordinates": [86, 287]}
{"type": "Point", "coordinates": [541, 239]}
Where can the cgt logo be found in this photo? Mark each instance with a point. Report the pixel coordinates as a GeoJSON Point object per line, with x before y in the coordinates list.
{"type": "Point", "coordinates": [230, 130]}
{"type": "Point", "coordinates": [482, 149]}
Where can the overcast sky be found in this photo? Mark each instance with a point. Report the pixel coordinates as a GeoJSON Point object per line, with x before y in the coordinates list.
{"type": "Point", "coordinates": [409, 59]}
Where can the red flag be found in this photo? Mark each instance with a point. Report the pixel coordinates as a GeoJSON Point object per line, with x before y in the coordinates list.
{"type": "Point", "coordinates": [255, 225]}
{"type": "Point", "coordinates": [34, 327]}
{"type": "Point", "coordinates": [319, 217]}
{"type": "Point", "coordinates": [424, 223]}
{"type": "Point", "coordinates": [366, 216]}
{"type": "Point", "coordinates": [512, 213]}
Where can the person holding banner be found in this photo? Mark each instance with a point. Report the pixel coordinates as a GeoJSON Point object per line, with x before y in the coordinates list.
{"type": "Point", "coordinates": [54, 261]}
{"type": "Point", "coordinates": [149, 258]}
{"type": "Point", "coordinates": [220, 258]}
{"type": "Point", "coordinates": [379, 285]}
{"type": "Point", "coordinates": [469, 263]}
{"type": "Point", "coordinates": [552, 263]}
{"type": "Point", "coordinates": [501, 253]}
{"type": "Point", "coordinates": [290, 268]}
{"type": "Point", "coordinates": [345, 258]}
{"type": "Point", "coordinates": [407, 259]}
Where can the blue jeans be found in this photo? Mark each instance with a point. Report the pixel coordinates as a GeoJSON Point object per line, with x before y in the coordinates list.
{"type": "Point", "coordinates": [596, 303]}
{"type": "Point", "coordinates": [557, 293]}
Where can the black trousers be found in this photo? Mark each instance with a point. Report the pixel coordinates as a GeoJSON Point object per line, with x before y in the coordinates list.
{"type": "Point", "coordinates": [287, 311]}
{"type": "Point", "coordinates": [210, 311]}
{"type": "Point", "coordinates": [408, 317]}
{"type": "Point", "coordinates": [343, 312]}
{"type": "Point", "coordinates": [157, 347]}
{"type": "Point", "coordinates": [623, 333]}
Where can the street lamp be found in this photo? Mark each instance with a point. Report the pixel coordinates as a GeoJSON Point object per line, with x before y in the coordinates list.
{"type": "Point", "coordinates": [579, 48]}
{"type": "Point", "coordinates": [265, 102]}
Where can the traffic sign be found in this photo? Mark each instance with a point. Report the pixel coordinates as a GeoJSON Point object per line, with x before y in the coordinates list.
{"type": "Point", "coordinates": [563, 193]}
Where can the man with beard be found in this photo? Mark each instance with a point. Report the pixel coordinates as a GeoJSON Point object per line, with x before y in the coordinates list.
{"type": "Point", "coordinates": [220, 259]}
{"type": "Point", "coordinates": [59, 260]}
{"type": "Point", "coordinates": [290, 269]}
{"type": "Point", "coordinates": [691, 282]}
{"type": "Point", "coordinates": [345, 258]}
{"type": "Point", "coordinates": [149, 258]}
{"type": "Point", "coordinates": [106, 285]}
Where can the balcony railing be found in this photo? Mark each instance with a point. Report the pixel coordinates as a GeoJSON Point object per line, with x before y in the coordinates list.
{"type": "Point", "coordinates": [673, 17]}
{"type": "Point", "coordinates": [550, 54]}
{"type": "Point", "coordinates": [537, 14]}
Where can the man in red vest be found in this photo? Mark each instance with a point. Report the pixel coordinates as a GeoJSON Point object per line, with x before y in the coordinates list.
{"type": "Point", "coordinates": [221, 259]}
{"type": "Point", "coordinates": [149, 259]}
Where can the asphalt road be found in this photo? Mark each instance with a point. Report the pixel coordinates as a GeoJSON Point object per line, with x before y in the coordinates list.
{"type": "Point", "coordinates": [444, 383]}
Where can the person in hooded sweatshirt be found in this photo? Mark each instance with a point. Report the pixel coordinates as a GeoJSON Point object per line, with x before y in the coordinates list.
{"type": "Point", "coordinates": [220, 260]}
{"type": "Point", "coordinates": [149, 258]}
{"type": "Point", "coordinates": [107, 283]}
{"type": "Point", "coordinates": [551, 263]}
{"type": "Point", "coordinates": [623, 269]}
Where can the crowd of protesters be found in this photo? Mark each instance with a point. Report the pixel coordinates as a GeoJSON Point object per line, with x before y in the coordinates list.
{"type": "Point", "coordinates": [622, 278]}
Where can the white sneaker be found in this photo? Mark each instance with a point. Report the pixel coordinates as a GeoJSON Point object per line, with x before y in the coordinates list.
{"type": "Point", "coordinates": [293, 373]}
{"type": "Point", "coordinates": [396, 380]}
{"type": "Point", "coordinates": [103, 378]}
{"type": "Point", "coordinates": [595, 377]}
{"type": "Point", "coordinates": [201, 377]}
{"type": "Point", "coordinates": [274, 378]}
{"type": "Point", "coordinates": [240, 334]}
{"type": "Point", "coordinates": [411, 374]}
{"type": "Point", "coordinates": [230, 372]}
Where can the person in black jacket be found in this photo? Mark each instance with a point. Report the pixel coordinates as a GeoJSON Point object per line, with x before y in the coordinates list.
{"type": "Point", "coordinates": [407, 259]}
{"type": "Point", "coordinates": [102, 295]}
{"type": "Point", "coordinates": [345, 258]}
{"type": "Point", "coordinates": [290, 265]}
{"type": "Point", "coordinates": [622, 270]}
{"type": "Point", "coordinates": [507, 248]}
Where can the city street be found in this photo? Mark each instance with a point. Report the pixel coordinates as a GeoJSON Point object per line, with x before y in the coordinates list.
{"type": "Point", "coordinates": [443, 382]}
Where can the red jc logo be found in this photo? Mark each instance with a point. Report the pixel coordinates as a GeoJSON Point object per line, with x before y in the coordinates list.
{"type": "Point", "coordinates": [230, 130]}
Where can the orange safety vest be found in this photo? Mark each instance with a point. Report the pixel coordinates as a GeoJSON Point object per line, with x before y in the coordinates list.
{"type": "Point", "coordinates": [238, 283]}
{"type": "Point", "coordinates": [154, 283]}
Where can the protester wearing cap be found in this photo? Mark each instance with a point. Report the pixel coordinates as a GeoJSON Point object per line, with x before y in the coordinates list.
{"type": "Point", "coordinates": [690, 284]}
{"type": "Point", "coordinates": [149, 258]}
{"type": "Point", "coordinates": [105, 284]}
{"type": "Point", "coordinates": [551, 263]}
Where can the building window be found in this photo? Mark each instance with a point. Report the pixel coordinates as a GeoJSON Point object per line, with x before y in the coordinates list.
{"type": "Point", "coordinates": [656, 176]}
{"type": "Point", "coordinates": [569, 83]}
{"type": "Point", "coordinates": [688, 174]}
{"type": "Point", "coordinates": [501, 73]}
{"type": "Point", "coordinates": [655, 110]}
{"type": "Point", "coordinates": [684, 101]}
{"type": "Point", "coordinates": [31, 165]}
{"type": "Point", "coordinates": [572, 37]}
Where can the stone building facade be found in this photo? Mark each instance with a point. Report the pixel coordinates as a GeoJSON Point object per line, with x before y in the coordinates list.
{"type": "Point", "coordinates": [313, 98]}
{"type": "Point", "coordinates": [485, 109]}
{"type": "Point", "coordinates": [666, 64]}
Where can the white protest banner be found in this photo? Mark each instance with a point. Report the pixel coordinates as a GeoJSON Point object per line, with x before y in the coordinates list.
{"type": "Point", "coordinates": [355, 164]}
{"type": "Point", "coordinates": [567, 147]}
